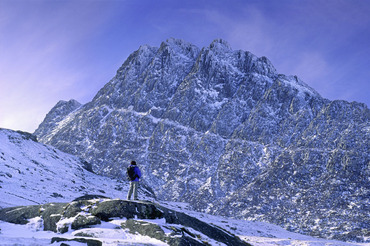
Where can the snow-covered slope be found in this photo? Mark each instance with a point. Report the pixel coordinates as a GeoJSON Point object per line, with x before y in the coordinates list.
{"type": "Point", "coordinates": [221, 128]}
{"type": "Point", "coordinates": [153, 231]}
{"type": "Point", "coordinates": [34, 173]}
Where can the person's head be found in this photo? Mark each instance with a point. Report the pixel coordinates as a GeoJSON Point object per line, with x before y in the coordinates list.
{"type": "Point", "coordinates": [133, 162]}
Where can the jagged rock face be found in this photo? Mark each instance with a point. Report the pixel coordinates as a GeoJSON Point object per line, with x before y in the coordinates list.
{"type": "Point", "coordinates": [57, 114]}
{"type": "Point", "coordinates": [222, 129]}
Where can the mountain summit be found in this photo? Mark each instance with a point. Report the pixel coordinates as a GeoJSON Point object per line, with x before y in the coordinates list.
{"type": "Point", "coordinates": [221, 129]}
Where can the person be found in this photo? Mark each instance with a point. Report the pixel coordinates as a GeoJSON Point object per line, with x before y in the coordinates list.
{"type": "Point", "coordinates": [134, 177]}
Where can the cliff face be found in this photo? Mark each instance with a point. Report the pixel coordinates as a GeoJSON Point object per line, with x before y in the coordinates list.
{"type": "Point", "coordinates": [222, 129]}
{"type": "Point", "coordinates": [57, 114]}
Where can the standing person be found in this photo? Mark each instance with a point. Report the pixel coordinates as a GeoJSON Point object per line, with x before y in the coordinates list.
{"type": "Point", "coordinates": [134, 175]}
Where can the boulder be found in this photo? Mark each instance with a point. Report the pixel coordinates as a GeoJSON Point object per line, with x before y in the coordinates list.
{"type": "Point", "coordinates": [216, 233]}
{"type": "Point", "coordinates": [76, 207]}
{"type": "Point", "coordinates": [178, 236]}
{"type": "Point", "coordinates": [89, 242]}
{"type": "Point", "coordinates": [128, 209]}
{"type": "Point", "coordinates": [51, 214]}
{"type": "Point", "coordinates": [20, 215]}
{"type": "Point", "coordinates": [82, 221]}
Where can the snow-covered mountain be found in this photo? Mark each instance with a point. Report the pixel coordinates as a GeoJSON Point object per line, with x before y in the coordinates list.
{"type": "Point", "coordinates": [34, 173]}
{"type": "Point", "coordinates": [221, 129]}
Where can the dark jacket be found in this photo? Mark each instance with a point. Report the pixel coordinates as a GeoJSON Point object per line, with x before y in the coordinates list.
{"type": "Point", "coordinates": [137, 172]}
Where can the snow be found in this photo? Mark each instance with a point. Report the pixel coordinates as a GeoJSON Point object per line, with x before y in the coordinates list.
{"type": "Point", "coordinates": [300, 86]}
{"type": "Point", "coordinates": [108, 233]}
{"type": "Point", "coordinates": [33, 173]}
{"type": "Point", "coordinates": [111, 233]}
{"type": "Point", "coordinates": [64, 122]}
{"type": "Point", "coordinates": [259, 233]}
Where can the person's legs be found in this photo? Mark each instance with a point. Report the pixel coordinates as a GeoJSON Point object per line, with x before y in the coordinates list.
{"type": "Point", "coordinates": [130, 191]}
{"type": "Point", "coordinates": [135, 184]}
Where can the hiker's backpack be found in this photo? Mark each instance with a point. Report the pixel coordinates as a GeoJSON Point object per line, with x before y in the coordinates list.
{"type": "Point", "coordinates": [131, 173]}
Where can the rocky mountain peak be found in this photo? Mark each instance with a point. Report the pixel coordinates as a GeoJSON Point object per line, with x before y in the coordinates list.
{"type": "Point", "coordinates": [222, 129]}
{"type": "Point", "coordinates": [220, 45]}
{"type": "Point", "coordinates": [57, 114]}
{"type": "Point", "coordinates": [179, 45]}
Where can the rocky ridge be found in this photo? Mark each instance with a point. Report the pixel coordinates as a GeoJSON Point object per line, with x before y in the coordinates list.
{"type": "Point", "coordinates": [138, 217]}
{"type": "Point", "coordinates": [222, 129]}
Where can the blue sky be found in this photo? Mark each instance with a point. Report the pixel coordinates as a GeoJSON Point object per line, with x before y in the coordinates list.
{"type": "Point", "coordinates": [53, 50]}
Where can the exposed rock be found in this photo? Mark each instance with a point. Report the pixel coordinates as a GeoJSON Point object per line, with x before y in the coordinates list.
{"type": "Point", "coordinates": [175, 217]}
{"type": "Point", "coordinates": [19, 215]}
{"type": "Point", "coordinates": [28, 136]}
{"type": "Point", "coordinates": [51, 214]}
{"type": "Point", "coordinates": [222, 129]}
{"type": "Point", "coordinates": [185, 230]}
{"type": "Point", "coordinates": [90, 197]}
{"type": "Point", "coordinates": [75, 207]}
{"type": "Point", "coordinates": [128, 209]}
{"type": "Point", "coordinates": [58, 113]}
{"type": "Point", "coordinates": [82, 221]}
{"type": "Point", "coordinates": [179, 236]}
{"type": "Point", "coordinates": [89, 242]}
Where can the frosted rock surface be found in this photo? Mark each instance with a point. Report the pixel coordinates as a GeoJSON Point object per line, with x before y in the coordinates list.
{"type": "Point", "coordinates": [222, 129]}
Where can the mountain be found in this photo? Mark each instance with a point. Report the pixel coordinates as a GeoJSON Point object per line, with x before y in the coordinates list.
{"type": "Point", "coordinates": [51, 192]}
{"type": "Point", "coordinates": [57, 114]}
{"type": "Point", "coordinates": [34, 173]}
{"type": "Point", "coordinates": [221, 129]}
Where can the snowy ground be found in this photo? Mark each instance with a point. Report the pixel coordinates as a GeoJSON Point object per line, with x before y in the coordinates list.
{"type": "Point", "coordinates": [110, 233]}
{"type": "Point", "coordinates": [32, 173]}
{"type": "Point", "coordinates": [31, 234]}
{"type": "Point", "coordinates": [260, 233]}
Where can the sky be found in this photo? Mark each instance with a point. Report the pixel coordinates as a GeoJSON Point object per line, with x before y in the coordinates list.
{"type": "Point", "coordinates": [53, 50]}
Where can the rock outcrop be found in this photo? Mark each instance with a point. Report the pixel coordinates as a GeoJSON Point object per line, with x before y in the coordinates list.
{"type": "Point", "coordinates": [139, 217]}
